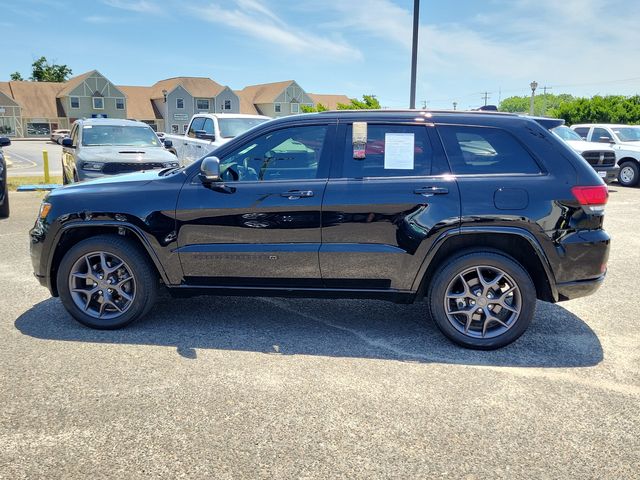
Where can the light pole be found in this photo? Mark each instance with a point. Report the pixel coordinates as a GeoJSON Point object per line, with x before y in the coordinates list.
{"type": "Point", "coordinates": [533, 86]}
{"type": "Point", "coordinates": [414, 53]}
{"type": "Point", "coordinates": [455, 105]}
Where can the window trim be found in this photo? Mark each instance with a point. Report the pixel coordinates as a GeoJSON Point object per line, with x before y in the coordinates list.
{"type": "Point", "coordinates": [297, 105]}
{"type": "Point", "coordinates": [225, 105]}
{"type": "Point", "coordinates": [203, 100]}
{"type": "Point", "coordinates": [178, 107]}
{"type": "Point", "coordinates": [277, 107]}
{"type": "Point", "coordinates": [71, 103]}
{"type": "Point", "coordinates": [93, 102]}
{"type": "Point", "coordinates": [123, 103]}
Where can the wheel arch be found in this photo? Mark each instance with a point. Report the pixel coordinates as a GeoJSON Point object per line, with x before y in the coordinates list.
{"type": "Point", "coordinates": [73, 234]}
{"type": "Point", "coordinates": [517, 243]}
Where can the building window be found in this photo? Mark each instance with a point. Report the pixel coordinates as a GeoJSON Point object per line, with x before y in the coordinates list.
{"type": "Point", "coordinates": [227, 104]}
{"type": "Point", "coordinates": [98, 103]}
{"type": "Point", "coordinates": [119, 103]}
{"type": "Point", "coordinates": [184, 128]}
{"type": "Point", "coordinates": [295, 108]}
{"type": "Point", "coordinates": [202, 104]}
{"type": "Point", "coordinates": [277, 108]}
{"type": "Point", "coordinates": [75, 102]}
{"type": "Point", "coordinates": [180, 103]}
{"type": "Point", "coordinates": [175, 128]}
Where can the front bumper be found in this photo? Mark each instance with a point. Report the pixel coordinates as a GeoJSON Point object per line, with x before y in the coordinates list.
{"type": "Point", "coordinates": [608, 174]}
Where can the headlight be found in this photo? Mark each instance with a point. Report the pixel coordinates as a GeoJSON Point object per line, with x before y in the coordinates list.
{"type": "Point", "coordinates": [94, 166]}
{"type": "Point", "coordinates": [171, 164]}
{"type": "Point", "coordinates": [44, 210]}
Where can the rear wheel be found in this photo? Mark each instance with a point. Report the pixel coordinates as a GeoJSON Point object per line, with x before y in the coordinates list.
{"type": "Point", "coordinates": [107, 282]}
{"type": "Point", "coordinates": [4, 208]}
{"type": "Point", "coordinates": [629, 173]}
{"type": "Point", "coordinates": [482, 300]}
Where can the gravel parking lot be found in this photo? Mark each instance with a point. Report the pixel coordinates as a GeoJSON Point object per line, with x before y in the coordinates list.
{"type": "Point", "coordinates": [217, 387]}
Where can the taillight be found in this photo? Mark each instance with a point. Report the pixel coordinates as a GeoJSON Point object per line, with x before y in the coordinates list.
{"type": "Point", "coordinates": [593, 199]}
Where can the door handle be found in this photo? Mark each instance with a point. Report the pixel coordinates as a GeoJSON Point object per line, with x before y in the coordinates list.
{"type": "Point", "coordinates": [297, 194]}
{"type": "Point", "coordinates": [199, 146]}
{"type": "Point", "coordinates": [431, 191]}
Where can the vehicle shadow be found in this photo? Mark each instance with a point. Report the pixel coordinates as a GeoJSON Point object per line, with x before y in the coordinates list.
{"type": "Point", "coordinates": [334, 328]}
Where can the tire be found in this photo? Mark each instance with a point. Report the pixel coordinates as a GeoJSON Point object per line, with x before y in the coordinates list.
{"type": "Point", "coordinates": [95, 308]}
{"type": "Point", "coordinates": [483, 323]}
{"type": "Point", "coordinates": [629, 173]}
{"type": "Point", "coordinates": [4, 208]}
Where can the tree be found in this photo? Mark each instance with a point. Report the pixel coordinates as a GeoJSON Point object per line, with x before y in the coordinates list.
{"type": "Point", "coordinates": [542, 104]}
{"type": "Point", "coordinates": [609, 109]}
{"type": "Point", "coordinates": [318, 108]}
{"type": "Point", "coordinates": [16, 77]}
{"type": "Point", "coordinates": [43, 71]}
{"type": "Point", "coordinates": [368, 102]}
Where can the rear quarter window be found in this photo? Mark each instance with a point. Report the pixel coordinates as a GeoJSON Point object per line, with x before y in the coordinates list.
{"type": "Point", "coordinates": [485, 150]}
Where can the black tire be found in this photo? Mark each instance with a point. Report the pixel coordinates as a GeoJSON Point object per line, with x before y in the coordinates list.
{"type": "Point", "coordinates": [141, 269]}
{"type": "Point", "coordinates": [4, 208]}
{"type": "Point", "coordinates": [453, 325]}
{"type": "Point", "coordinates": [629, 174]}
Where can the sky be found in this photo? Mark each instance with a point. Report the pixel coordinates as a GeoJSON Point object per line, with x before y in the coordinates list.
{"type": "Point", "coordinates": [466, 47]}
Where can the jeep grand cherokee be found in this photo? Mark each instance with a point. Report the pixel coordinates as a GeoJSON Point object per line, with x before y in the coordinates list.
{"type": "Point", "coordinates": [479, 214]}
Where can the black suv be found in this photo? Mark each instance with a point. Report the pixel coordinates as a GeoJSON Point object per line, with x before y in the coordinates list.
{"type": "Point", "coordinates": [4, 191]}
{"type": "Point", "coordinates": [478, 213]}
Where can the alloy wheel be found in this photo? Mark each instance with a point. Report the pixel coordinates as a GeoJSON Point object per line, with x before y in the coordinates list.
{"type": "Point", "coordinates": [627, 174]}
{"type": "Point", "coordinates": [482, 302]}
{"type": "Point", "coordinates": [102, 285]}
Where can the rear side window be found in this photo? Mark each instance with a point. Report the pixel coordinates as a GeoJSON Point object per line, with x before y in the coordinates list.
{"type": "Point", "coordinates": [391, 151]}
{"type": "Point", "coordinates": [208, 126]}
{"type": "Point", "coordinates": [482, 150]}
{"type": "Point", "coordinates": [582, 131]}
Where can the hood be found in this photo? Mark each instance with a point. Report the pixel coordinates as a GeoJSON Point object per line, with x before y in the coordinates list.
{"type": "Point", "coordinates": [126, 154]}
{"type": "Point", "coordinates": [633, 145]}
{"type": "Point", "coordinates": [581, 146]}
{"type": "Point", "coordinates": [128, 181]}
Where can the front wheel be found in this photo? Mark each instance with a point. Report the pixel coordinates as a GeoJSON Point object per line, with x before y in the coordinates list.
{"type": "Point", "coordinates": [482, 300]}
{"type": "Point", "coordinates": [629, 174]}
{"type": "Point", "coordinates": [107, 282]}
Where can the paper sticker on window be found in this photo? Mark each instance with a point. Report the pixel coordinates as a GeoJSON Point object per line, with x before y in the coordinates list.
{"type": "Point", "coordinates": [359, 139]}
{"type": "Point", "coordinates": [399, 151]}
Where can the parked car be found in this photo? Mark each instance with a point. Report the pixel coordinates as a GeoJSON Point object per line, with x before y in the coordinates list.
{"type": "Point", "coordinates": [57, 135]}
{"type": "Point", "coordinates": [600, 156]}
{"type": "Point", "coordinates": [4, 190]}
{"type": "Point", "coordinates": [99, 147]}
{"type": "Point", "coordinates": [625, 140]}
{"type": "Point", "coordinates": [477, 213]}
{"type": "Point", "coordinates": [208, 131]}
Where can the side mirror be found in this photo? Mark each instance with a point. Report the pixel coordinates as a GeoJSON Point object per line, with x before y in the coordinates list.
{"type": "Point", "coordinates": [202, 134]}
{"type": "Point", "coordinates": [605, 140]}
{"type": "Point", "coordinates": [67, 142]}
{"type": "Point", "coordinates": [5, 142]}
{"type": "Point", "coordinates": [168, 144]}
{"type": "Point", "coordinates": [210, 170]}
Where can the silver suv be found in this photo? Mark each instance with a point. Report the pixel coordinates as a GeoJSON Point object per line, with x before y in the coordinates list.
{"type": "Point", "coordinates": [100, 146]}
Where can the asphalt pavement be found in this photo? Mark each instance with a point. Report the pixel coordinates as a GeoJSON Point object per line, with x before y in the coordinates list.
{"type": "Point", "coordinates": [230, 387]}
{"type": "Point", "coordinates": [26, 157]}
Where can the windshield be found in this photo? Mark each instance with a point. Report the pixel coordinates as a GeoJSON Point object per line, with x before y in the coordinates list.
{"type": "Point", "coordinates": [129, 135]}
{"type": "Point", "coordinates": [232, 127]}
{"type": "Point", "coordinates": [565, 133]}
{"type": "Point", "coordinates": [628, 134]}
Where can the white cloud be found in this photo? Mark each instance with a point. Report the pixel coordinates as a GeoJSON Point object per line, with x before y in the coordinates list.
{"type": "Point", "coordinates": [255, 19]}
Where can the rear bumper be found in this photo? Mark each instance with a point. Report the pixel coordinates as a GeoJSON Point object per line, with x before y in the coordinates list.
{"type": "Point", "coordinates": [577, 289]}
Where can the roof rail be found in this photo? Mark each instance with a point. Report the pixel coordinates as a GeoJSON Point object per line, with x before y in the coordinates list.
{"type": "Point", "coordinates": [409, 110]}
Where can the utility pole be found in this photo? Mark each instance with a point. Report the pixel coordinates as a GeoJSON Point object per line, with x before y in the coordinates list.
{"type": "Point", "coordinates": [424, 104]}
{"type": "Point", "coordinates": [414, 53]}
{"type": "Point", "coordinates": [533, 86]}
{"type": "Point", "coordinates": [485, 95]}
{"type": "Point", "coordinates": [544, 107]}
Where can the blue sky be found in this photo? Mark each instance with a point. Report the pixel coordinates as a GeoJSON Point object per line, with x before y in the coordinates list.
{"type": "Point", "coordinates": [467, 47]}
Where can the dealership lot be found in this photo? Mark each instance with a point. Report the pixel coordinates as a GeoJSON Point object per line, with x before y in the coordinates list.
{"type": "Point", "coordinates": [26, 157]}
{"type": "Point", "coordinates": [226, 387]}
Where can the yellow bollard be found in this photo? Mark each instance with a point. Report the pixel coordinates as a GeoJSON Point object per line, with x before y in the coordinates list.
{"type": "Point", "coordinates": [45, 162]}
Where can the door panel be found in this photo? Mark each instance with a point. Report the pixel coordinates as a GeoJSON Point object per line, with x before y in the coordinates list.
{"type": "Point", "coordinates": [260, 226]}
{"type": "Point", "coordinates": [376, 231]}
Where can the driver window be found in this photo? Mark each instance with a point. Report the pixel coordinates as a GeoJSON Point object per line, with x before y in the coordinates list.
{"type": "Point", "coordinates": [288, 154]}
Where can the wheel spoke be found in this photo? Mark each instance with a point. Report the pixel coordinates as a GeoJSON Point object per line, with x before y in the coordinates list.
{"type": "Point", "coordinates": [124, 294]}
{"type": "Point", "coordinates": [489, 318]}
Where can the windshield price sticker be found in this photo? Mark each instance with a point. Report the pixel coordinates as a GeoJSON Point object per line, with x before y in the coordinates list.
{"type": "Point", "coordinates": [399, 151]}
{"type": "Point", "coordinates": [359, 138]}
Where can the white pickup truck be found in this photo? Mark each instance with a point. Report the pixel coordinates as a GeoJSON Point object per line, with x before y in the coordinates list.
{"type": "Point", "coordinates": [207, 131]}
